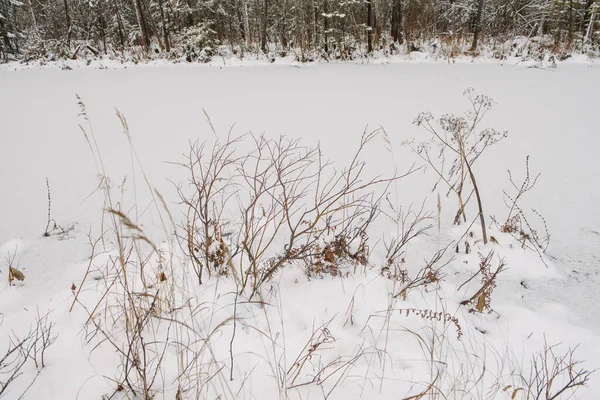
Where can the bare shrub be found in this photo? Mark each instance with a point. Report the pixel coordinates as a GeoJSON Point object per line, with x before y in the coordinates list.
{"type": "Point", "coordinates": [517, 222]}
{"type": "Point", "coordinates": [52, 227]}
{"type": "Point", "coordinates": [309, 367]}
{"type": "Point", "coordinates": [211, 178]}
{"type": "Point", "coordinates": [294, 196]}
{"type": "Point", "coordinates": [411, 224]}
{"type": "Point", "coordinates": [554, 375]}
{"type": "Point", "coordinates": [21, 349]}
{"type": "Point", "coordinates": [429, 275]}
{"type": "Point", "coordinates": [293, 207]}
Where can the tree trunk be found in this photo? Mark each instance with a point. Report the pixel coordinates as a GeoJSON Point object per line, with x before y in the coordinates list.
{"type": "Point", "coordinates": [190, 14]}
{"type": "Point", "coordinates": [587, 14]}
{"type": "Point", "coordinates": [17, 51]}
{"type": "Point", "coordinates": [33, 18]}
{"type": "Point", "coordinates": [570, 29]}
{"type": "Point", "coordinates": [263, 36]}
{"type": "Point", "coordinates": [3, 52]}
{"type": "Point", "coordinates": [102, 26]}
{"type": "Point", "coordinates": [139, 12]}
{"type": "Point", "coordinates": [541, 26]}
{"type": "Point", "coordinates": [164, 27]}
{"type": "Point", "coordinates": [326, 25]}
{"type": "Point", "coordinates": [396, 25]}
{"type": "Point", "coordinates": [246, 24]}
{"type": "Point", "coordinates": [283, 27]}
{"type": "Point", "coordinates": [68, 18]}
{"type": "Point", "coordinates": [477, 29]}
{"type": "Point", "coordinates": [315, 24]}
{"type": "Point", "coordinates": [369, 26]}
{"type": "Point", "coordinates": [216, 24]}
{"type": "Point", "coordinates": [120, 26]}
{"type": "Point", "coordinates": [590, 27]}
{"type": "Point", "coordinates": [405, 25]}
{"type": "Point", "coordinates": [558, 34]}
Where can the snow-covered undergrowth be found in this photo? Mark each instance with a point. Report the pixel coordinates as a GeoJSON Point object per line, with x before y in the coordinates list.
{"type": "Point", "coordinates": [329, 267]}
{"type": "Point", "coordinates": [539, 52]}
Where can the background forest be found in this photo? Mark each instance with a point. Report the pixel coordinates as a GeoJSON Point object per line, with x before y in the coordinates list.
{"type": "Point", "coordinates": [197, 30]}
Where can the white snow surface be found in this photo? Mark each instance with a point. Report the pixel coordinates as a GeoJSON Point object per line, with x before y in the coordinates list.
{"type": "Point", "coordinates": [551, 114]}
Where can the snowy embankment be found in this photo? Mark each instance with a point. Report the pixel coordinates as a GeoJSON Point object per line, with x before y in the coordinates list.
{"type": "Point", "coordinates": [532, 52]}
{"type": "Point", "coordinates": [344, 336]}
{"type": "Point", "coordinates": [542, 60]}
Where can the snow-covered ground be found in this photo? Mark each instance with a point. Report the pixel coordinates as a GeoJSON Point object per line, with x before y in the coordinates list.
{"type": "Point", "coordinates": [551, 114]}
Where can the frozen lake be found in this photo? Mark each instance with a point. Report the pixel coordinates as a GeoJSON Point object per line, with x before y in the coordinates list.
{"type": "Point", "coordinates": [551, 115]}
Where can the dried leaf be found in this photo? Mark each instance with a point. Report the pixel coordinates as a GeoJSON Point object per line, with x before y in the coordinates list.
{"type": "Point", "coordinates": [162, 277]}
{"type": "Point", "coordinates": [493, 240]}
{"type": "Point", "coordinates": [15, 274]}
{"type": "Point", "coordinates": [481, 302]}
{"type": "Point", "coordinates": [73, 287]}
